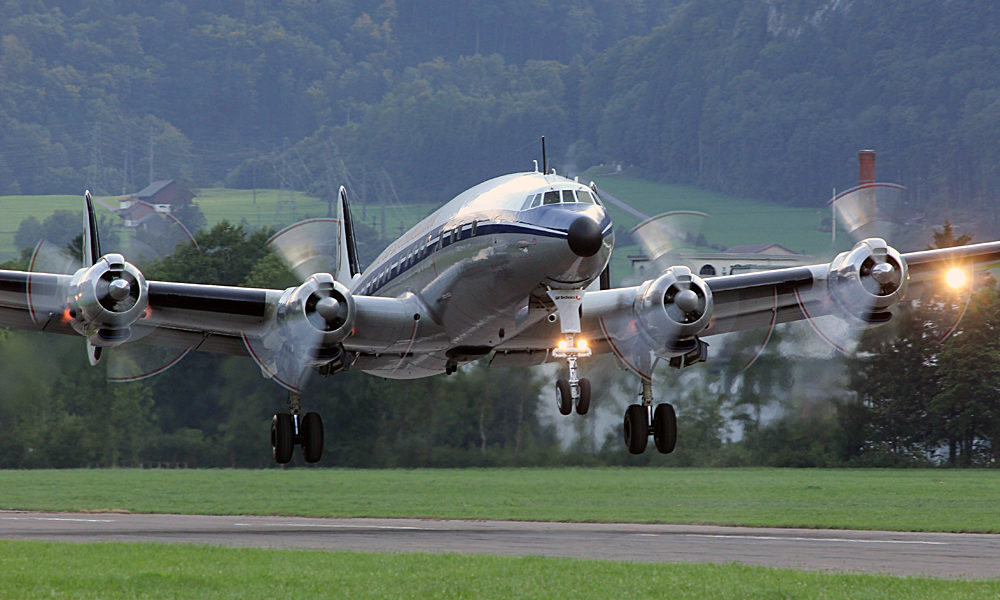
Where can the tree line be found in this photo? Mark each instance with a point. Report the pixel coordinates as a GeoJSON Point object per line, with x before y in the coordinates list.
{"type": "Point", "coordinates": [764, 99]}
{"type": "Point", "coordinates": [923, 390]}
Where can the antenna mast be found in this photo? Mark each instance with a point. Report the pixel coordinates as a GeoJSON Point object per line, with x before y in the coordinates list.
{"type": "Point", "coordinates": [545, 162]}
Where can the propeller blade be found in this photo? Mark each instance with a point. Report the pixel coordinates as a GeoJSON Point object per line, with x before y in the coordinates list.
{"type": "Point", "coordinates": [872, 210]}
{"type": "Point", "coordinates": [310, 246]}
{"type": "Point", "coordinates": [660, 237]}
{"type": "Point", "coordinates": [43, 300]}
{"type": "Point", "coordinates": [286, 364]}
{"type": "Point", "coordinates": [134, 362]}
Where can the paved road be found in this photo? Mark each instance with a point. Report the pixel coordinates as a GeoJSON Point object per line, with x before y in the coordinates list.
{"type": "Point", "coordinates": [938, 554]}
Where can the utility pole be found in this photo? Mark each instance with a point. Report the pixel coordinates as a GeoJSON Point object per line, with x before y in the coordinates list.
{"type": "Point", "coordinates": [128, 150]}
{"type": "Point", "coordinates": [95, 157]}
{"type": "Point", "coordinates": [833, 217]}
{"type": "Point", "coordinates": [150, 154]}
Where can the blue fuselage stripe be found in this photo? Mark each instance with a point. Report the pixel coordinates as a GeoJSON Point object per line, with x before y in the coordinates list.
{"type": "Point", "coordinates": [425, 250]}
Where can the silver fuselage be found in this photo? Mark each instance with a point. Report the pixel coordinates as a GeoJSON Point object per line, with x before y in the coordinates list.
{"type": "Point", "coordinates": [480, 267]}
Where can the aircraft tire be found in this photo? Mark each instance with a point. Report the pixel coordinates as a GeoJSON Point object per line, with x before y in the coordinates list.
{"type": "Point", "coordinates": [665, 428]}
{"type": "Point", "coordinates": [583, 402]}
{"type": "Point", "coordinates": [636, 429]}
{"type": "Point", "coordinates": [312, 437]}
{"type": "Point", "coordinates": [564, 397]}
{"type": "Point", "coordinates": [282, 438]}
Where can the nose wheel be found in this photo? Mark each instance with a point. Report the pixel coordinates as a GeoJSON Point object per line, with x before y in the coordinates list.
{"type": "Point", "coordinates": [567, 395]}
{"type": "Point", "coordinates": [291, 429]}
{"type": "Point", "coordinates": [572, 390]}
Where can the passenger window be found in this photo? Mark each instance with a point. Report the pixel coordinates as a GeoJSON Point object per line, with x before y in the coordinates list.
{"type": "Point", "coordinates": [551, 198]}
{"type": "Point", "coordinates": [568, 197]}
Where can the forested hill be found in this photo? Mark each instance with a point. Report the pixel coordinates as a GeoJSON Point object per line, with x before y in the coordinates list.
{"type": "Point", "coordinates": [419, 98]}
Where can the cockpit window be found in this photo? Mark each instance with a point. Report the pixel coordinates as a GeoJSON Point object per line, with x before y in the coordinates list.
{"type": "Point", "coordinates": [568, 197]}
{"type": "Point", "coordinates": [584, 196]}
{"type": "Point", "coordinates": [551, 198]}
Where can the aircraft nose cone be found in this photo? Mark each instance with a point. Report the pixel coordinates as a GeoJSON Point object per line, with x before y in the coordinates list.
{"type": "Point", "coordinates": [584, 237]}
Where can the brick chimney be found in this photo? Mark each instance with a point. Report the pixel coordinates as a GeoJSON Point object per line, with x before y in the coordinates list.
{"type": "Point", "coordinates": [866, 166]}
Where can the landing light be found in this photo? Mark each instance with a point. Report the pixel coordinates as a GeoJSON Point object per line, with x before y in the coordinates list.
{"type": "Point", "coordinates": [562, 344]}
{"type": "Point", "coordinates": [581, 344]}
{"type": "Point", "coordinates": [955, 278]}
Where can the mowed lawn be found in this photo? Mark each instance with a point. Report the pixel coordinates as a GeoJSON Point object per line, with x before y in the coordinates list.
{"type": "Point", "coordinates": [14, 209]}
{"type": "Point", "coordinates": [50, 570]}
{"type": "Point", "coordinates": [904, 500]}
{"type": "Point", "coordinates": [263, 209]}
{"type": "Point", "coordinates": [732, 221]}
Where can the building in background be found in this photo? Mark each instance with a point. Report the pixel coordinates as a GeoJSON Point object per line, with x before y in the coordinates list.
{"type": "Point", "coordinates": [165, 197]}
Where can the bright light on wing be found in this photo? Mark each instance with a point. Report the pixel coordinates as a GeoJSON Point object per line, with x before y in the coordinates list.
{"type": "Point", "coordinates": [955, 278]}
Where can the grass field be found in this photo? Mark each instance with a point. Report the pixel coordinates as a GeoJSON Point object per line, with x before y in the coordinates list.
{"type": "Point", "coordinates": [217, 204]}
{"type": "Point", "coordinates": [903, 500]}
{"type": "Point", "coordinates": [14, 209]}
{"type": "Point", "coordinates": [734, 220]}
{"type": "Point", "coordinates": [50, 570]}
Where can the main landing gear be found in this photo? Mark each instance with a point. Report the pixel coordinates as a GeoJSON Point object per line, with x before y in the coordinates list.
{"type": "Point", "coordinates": [641, 420]}
{"type": "Point", "coordinates": [289, 429]}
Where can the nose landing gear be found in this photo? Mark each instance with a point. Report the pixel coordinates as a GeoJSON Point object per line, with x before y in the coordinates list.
{"type": "Point", "coordinates": [571, 390]}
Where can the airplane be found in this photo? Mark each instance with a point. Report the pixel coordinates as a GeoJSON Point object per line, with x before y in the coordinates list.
{"type": "Point", "coordinates": [514, 268]}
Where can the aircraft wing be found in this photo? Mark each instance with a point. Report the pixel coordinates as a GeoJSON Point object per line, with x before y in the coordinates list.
{"type": "Point", "coordinates": [748, 300]}
{"type": "Point", "coordinates": [666, 316]}
{"type": "Point", "coordinates": [285, 331]}
{"type": "Point", "coordinates": [212, 318]}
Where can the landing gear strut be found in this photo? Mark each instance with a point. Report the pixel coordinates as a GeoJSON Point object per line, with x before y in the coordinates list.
{"type": "Point", "coordinates": [641, 420]}
{"type": "Point", "coordinates": [571, 390]}
{"type": "Point", "coordinates": [289, 429]}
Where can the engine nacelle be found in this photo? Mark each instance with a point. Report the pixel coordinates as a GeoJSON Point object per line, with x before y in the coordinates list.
{"type": "Point", "coordinates": [316, 316]}
{"type": "Point", "coordinates": [672, 310]}
{"type": "Point", "coordinates": [868, 280]}
{"type": "Point", "coordinates": [106, 299]}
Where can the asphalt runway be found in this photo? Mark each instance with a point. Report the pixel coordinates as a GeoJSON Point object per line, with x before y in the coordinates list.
{"type": "Point", "coordinates": [938, 554]}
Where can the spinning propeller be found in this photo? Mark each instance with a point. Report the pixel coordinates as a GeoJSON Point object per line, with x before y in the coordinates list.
{"type": "Point", "coordinates": [314, 318]}
{"type": "Point", "coordinates": [669, 311]}
{"type": "Point", "coordinates": [106, 300]}
{"type": "Point", "coordinates": [872, 212]}
{"type": "Point", "coordinates": [862, 287]}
